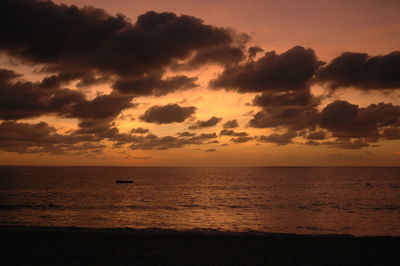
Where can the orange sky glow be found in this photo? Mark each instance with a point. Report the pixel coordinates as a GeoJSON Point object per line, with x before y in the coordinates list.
{"type": "Point", "coordinates": [306, 113]}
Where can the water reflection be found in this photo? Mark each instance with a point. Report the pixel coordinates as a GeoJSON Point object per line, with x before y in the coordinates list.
{"type": "Point", "coordinates": [296, 200]}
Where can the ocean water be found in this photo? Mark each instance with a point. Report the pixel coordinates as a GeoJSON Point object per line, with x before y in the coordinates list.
{"type": "Point", "coordinates": [342, 200]}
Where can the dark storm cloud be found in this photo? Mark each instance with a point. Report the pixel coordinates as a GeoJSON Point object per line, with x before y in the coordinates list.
{"type": "Point", "coordinates": [206, 136]}
{"type": "Point", "coordinates": [353, 127]}
{"type": "Point", "coordinates": [159, 143]}
{"type": "Point", "coordinates": [347, 144]}
{"type": "Point", "coordinates": [89, 45]}
{"type": "Point", "coordinates": [362, 71]}
{"type": "Point", "coordinates": [291, 70]}
{"type": "Point", "coordinates": [94, 126]}
{"type": "Point", "coordinates": [154, 85]}
{"type": "Point", "coordinates": [21, 99]}
{"type": "Point", "coordinates": [296, 98]}
{"type": "Point", "coordinates": [277, 138]}
{"type": "Point", "coordinates": [230, 132]}
{"type": "Point", "coordinates": [223, 55]}
{"type": "Point", "coordinates": [345, 120]}
{"type": "Point", "coordinates": [153, 142]}
{"type": "Point", "coordinates": [297, 110]}
{"type": "Point", "coordinates": [102, 107]}
{"type": "Point", "coordinates": [62, 79]}
{"type": "Point", "coordinates": [186, 134]}
{"type": "Point", "coordinates": [166, 114]}
{"type": "Point", "coordinates": [241, 139]}
{"type": "Point", "coordinates": [293, 117]}
{"type": "Point", "coordinates": [42, 138]}
{"type": "Point", "coordinates": [231, 124]}
{"type": "Point", "coordinates": [253, 51]}
{"type": "Point", "coordinates": [205, 123]}
{"type": "Point", "coordinates": [283, 79]}
{"type": "Point", "coordinates": [143, 142]}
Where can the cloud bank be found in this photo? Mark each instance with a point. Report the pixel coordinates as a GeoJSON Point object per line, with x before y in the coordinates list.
{"type": "Point", "coordinates": [76, 48]}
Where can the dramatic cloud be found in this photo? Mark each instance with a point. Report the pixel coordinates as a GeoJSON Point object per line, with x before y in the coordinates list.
{"type": "Point", "coordinates": [91, 46]}
{"type": "Point", "coordinates": [229, 132]}
{"type": "Point", "coordinates": [205, 123]}
{"type": "Point", "coordinates": [231, 124]}
{"type": "Point", "coordinates": [279, 139]}
{"type": "Point", "coordinates": [345, 120]}
{"type": "Point", "coordinates": [352, 126]}
{"type": "Point", "coordinates": [166, 114]}
{"type": "Point", "coordinates": [154, 85]}
{"type": "Point", "coordinates": [294, 110]}
{"type": "Point", "coordinates": [241, 139]}
{"type": "Point", "coordinates": [297, 98]}
{"type": "Point", "coordinates": [142, 141]}
{"type": "Point", "coordinates": [79, 47]}
{"type": "Point", "coordinates": [291, 70]}
{"type": "Point", "coordinates": [283, 79]}
{"type": "Point", "coordinates": [294, 118]}
{"type": "Point", "coordinates": [186, 134]}
{"type": "Point", "coordinates": [153, 142]}
{"type": "Point", "coordinates": [253, 51]}
{"type": "Point", "coordinates": [222, 55]}
{"type": "Point", "coordinates": [362, 71]}
{"type": "Point", "coordinates": [22, 99]}
{"type": "Point", "coordinates": [42, 138]}
{"type": "Point", "coordinates": [287, 102]}
{"type": "Point", "coordinates": [347, 144]}
{"type": "Point", "coordinates": [206, 136]}
{"type": "Point", "coordinates": [102, 107]}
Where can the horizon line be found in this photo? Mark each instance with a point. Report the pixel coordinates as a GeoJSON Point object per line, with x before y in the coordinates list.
{"type": "Point", "coordinates": [254, 166]}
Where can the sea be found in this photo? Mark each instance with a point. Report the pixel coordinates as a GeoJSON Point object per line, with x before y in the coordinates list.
{"type": "Point", "coordinates": [302, 200]}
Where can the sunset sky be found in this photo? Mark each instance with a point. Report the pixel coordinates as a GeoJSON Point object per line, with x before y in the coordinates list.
{"type": "Point", "coordinates": [200, 83]}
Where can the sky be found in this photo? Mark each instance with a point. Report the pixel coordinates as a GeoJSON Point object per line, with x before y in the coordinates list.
{"type": "Point", "coordinates": [200, 83]}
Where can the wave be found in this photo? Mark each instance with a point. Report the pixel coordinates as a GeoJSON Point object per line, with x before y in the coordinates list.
{"type": "Point", "coordinates": [141, 207]}
{"type": "Point", "coordinates": [383, 208]}
{"type": "Point", "coordinates": [33, 207]}
{"type": "Point", "coordinates": [316, 231]}
{"type": "Point", "coordinates": [84, 207]}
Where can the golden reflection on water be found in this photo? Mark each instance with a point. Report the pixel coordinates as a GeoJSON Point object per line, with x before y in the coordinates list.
{"type": "Point", "coordinates": [292, 200]}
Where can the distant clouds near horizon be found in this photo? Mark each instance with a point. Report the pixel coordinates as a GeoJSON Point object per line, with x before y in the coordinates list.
{"type": "Point", "coordinates": [77, 50]}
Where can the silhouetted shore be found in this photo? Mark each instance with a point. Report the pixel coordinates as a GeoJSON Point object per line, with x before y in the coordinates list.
{"type": "Point", "coordinates": [81, 246]}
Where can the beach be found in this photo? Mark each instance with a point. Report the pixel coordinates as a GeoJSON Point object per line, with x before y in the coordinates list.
{"type": "Point", "coordinates": [205, 132]}
{"type": "Point", "coordinates": [26, 245]}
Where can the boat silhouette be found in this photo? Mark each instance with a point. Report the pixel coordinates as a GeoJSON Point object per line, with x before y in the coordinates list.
{"type": "Point", "coordinates": [124, 181]}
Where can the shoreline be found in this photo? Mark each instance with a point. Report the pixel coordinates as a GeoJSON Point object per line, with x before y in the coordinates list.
{"type": "Point", "coordinates": [31, 245]}
{"type": "Point", "coordinates": [168, 231]}
{"type": "Point", "coordinates": [194, 166]}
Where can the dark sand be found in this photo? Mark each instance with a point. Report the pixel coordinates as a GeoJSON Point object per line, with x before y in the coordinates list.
{"type": "Point", "coordinates": [77, 246]}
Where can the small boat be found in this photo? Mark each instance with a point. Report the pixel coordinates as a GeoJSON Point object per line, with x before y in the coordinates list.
{"type": "Point", "coordinates": [124, 181]}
